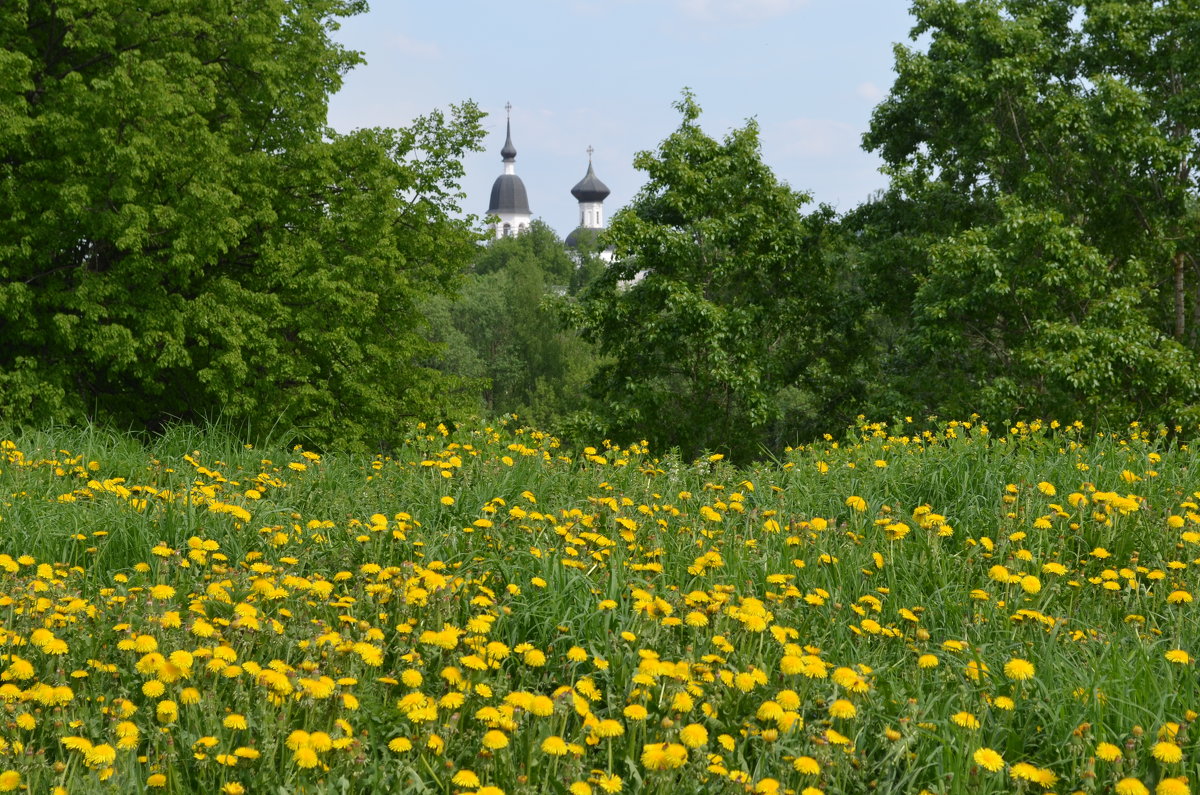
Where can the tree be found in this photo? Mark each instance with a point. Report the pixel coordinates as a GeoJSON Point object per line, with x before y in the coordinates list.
{"type": "Point", "coordinates": [713, 304]}
{"type": "Point", "coordinates": [182, 236]}
{"type": "Point", "coordinates": [507, 330]}
{"type": "Point", "coordinates": [1043, 154]}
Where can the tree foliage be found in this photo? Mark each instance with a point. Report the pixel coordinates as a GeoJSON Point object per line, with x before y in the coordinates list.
{"type": "Point", "coordinates": [508, 331]}
{"type": "Point", "coordinates": [713, 304]}
{"type": "Point", "coordinates": [1043, 159]}
{"type": "Point", "coordinates": [181, 234]}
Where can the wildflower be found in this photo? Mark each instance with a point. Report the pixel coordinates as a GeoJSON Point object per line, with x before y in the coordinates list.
{"type": "Point", "coordinates": [663, 756]}
{"type": "Point", "coordinates": [580, 788]}
{"type": "Point", "coordinates": [400, 745]}
{"type": "Point", "coordinates": [609, 783]}
{"type": "Point", "coordinates": [465, 778]}
{"type": "Point", "coordinates": [494, 740]}
{"type": "Point", "coordinates": [235, 721]}
{"type": "Point", "coordinates": [927, 661]}
{"type": "Point", "coordinates": [608, 728]}
{"type": "Point", "coordinates": [1167, 752]}
{"type": "Point", "coordinates": [1179, 656]}
{"type": "Point", "coordinates": [966, 720]}
{"type": "Point", "coordinates": [156, 780]}
{"type": "Point", "coordinates": [1018, 669]}
{"type": "Point", "coordinates": [1131, 786]}
{"type": "Point", "coordinates": [806, 765]}
{"type": "Point", "coordinates": [305, 757]}
{"type": "Point", "coordinates": [636, 712]}
{"type": "Point", "coordinates": [233, 788]}
{"type": "Point", "coordinates": [9, 780]}
{"type": "Point", "coordinates": [989, 760]}
{"type": "Point", "coordinates": [693, 735]}
{"type": "Point", "coordinates": [1173, 786]}
{"type": "Point", "coordinates": [842, 709]}
{"type": "Point", "coordinates": [166, 711]}
{"type": "Point", "coordinates": [1107, 752]}
{"type": "Point", "coordinates": [1179, 597]}
{"type": "Point", "coordinates": [554, 745]}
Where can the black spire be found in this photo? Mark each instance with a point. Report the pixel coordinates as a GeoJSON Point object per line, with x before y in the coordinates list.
{"type": "Point", "coordinates": [509, 152]}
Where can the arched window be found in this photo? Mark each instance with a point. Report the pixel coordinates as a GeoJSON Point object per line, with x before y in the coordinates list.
{"type": "Point", "coordinates": [508, 230]}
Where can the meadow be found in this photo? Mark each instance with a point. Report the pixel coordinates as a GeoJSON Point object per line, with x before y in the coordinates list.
{"type": "Point", "coordinates": [944, 608]}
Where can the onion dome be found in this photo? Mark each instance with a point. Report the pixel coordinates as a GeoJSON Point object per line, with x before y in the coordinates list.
{"type": "Point", "coordinates": [508, 196]}
{"type": "Point", "coordinates": [582, 236]}
{"type": "Point", "coordinates": [509, 152]}
{"type": "Point", "coordinates": [590, 188]}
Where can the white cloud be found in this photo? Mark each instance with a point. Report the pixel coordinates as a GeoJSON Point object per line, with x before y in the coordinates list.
{"type": "Point", "coordinates": [870, 92]}
{"type": "Point", "coordinates": [737, 10]}
{"type": "Point", "coordinates": [811, 138]}
{"type": "Point", "coordinates": [415, 48]}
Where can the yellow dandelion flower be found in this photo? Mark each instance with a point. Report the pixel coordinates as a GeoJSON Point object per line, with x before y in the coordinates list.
{"type": "Point", "coordinates": [609, 783]}
{"type": "Point", "coordinates": [1131, 786]}
{"type": "Point", "coordinates": [554, 745]}
{"type": "Point", "coordinates": [156, 780]}
{"type": "Point", "coordinates": [1018, 669]}
{"type": "Point", "coordinates": [305, 757]}
{"type": "Point", "coordinates": [663, 756]}
{"type": "Point", "coordinates": [1167, 752]}
{"type": "Point", "coordinates": [693, 735]}
{"type": "Point", "coordinates": [465, 778]}
{"type": "Point", "coordinates": [966, 720]}
{"type": "Point", "coordinates": [927, 661]}
{"type": "Point", "coordinates": [400, 745]}
{"type": "Point", "coordinates": [806, 765]}
{"type": "Point", "coordinates": [989, 759]}
{"type": "Point", "coordinates": [636, 712]}
{"type": "Point", "coordinates": [9, 780]}
{"type": "Point", "coordinates": [842, 708]}
{"type": "Point", "coordinates": [1173, 786]}
{"type": "Point", "coordinates": [1107, 752]}
{"type": "Point", "coordinates": [495, 739]}
{"type": "Point", "coordinates": [1179, 656]}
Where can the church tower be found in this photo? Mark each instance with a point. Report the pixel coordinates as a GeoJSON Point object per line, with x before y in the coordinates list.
{"type": "Point", "coordinates": [509, 201]}
{"type": "Point", "coordinates": [590, 192]}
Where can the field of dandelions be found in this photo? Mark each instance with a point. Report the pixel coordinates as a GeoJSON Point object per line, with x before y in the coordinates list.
{"type": "Point", "coordinates": [957, 610]}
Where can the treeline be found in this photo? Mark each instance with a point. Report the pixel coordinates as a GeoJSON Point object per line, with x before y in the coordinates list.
{"type": "Point", "coordinates": [182, 237]}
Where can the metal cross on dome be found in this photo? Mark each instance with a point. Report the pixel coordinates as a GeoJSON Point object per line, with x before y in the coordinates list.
{"type": "Point", "coordinates": [590, 150]}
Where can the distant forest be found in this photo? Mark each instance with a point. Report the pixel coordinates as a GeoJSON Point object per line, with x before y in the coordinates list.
{"type": "Point", "coordinates": [184, 239]}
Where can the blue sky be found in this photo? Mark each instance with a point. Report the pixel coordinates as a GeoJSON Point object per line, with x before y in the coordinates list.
{"type": "Point", "coordinates": [604, 73]}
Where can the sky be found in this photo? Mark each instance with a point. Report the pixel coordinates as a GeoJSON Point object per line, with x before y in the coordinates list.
{"type": "Point", "coordinates": [604, 73]}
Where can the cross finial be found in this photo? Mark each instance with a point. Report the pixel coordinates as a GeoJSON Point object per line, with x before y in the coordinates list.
{"type": "Point", "coordinates": [590, 150]}
{"type": "Point", "coordinates": [508, 108]}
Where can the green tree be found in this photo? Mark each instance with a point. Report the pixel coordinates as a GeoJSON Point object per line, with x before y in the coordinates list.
{"type": "Point", "coordinates": [183, 236]}
{"type": "Point", "coordinates": [714, 304]}
{"type": "Point", "coordinates": [1043, 154]}
{"type": "Point", "coordinates": [508, 330]}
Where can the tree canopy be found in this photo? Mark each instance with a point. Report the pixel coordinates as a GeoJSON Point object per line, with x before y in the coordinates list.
{"type": "Point", "coordinates": [1043, 157]}
{"type": "Point", "coordinates": [183, 236]}
{"type": "Point", "coordinates": [712, 304]}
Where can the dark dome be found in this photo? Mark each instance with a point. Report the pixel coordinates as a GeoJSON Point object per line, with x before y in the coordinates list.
{"type": "Point", "coordinates": [590, 189]}
{"type": "Point", "coordinates": [581, 235]}
{"type": "Point", "coordinates": [508, 196]}
{"type": "Point", "coordinates": [508, 152]}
